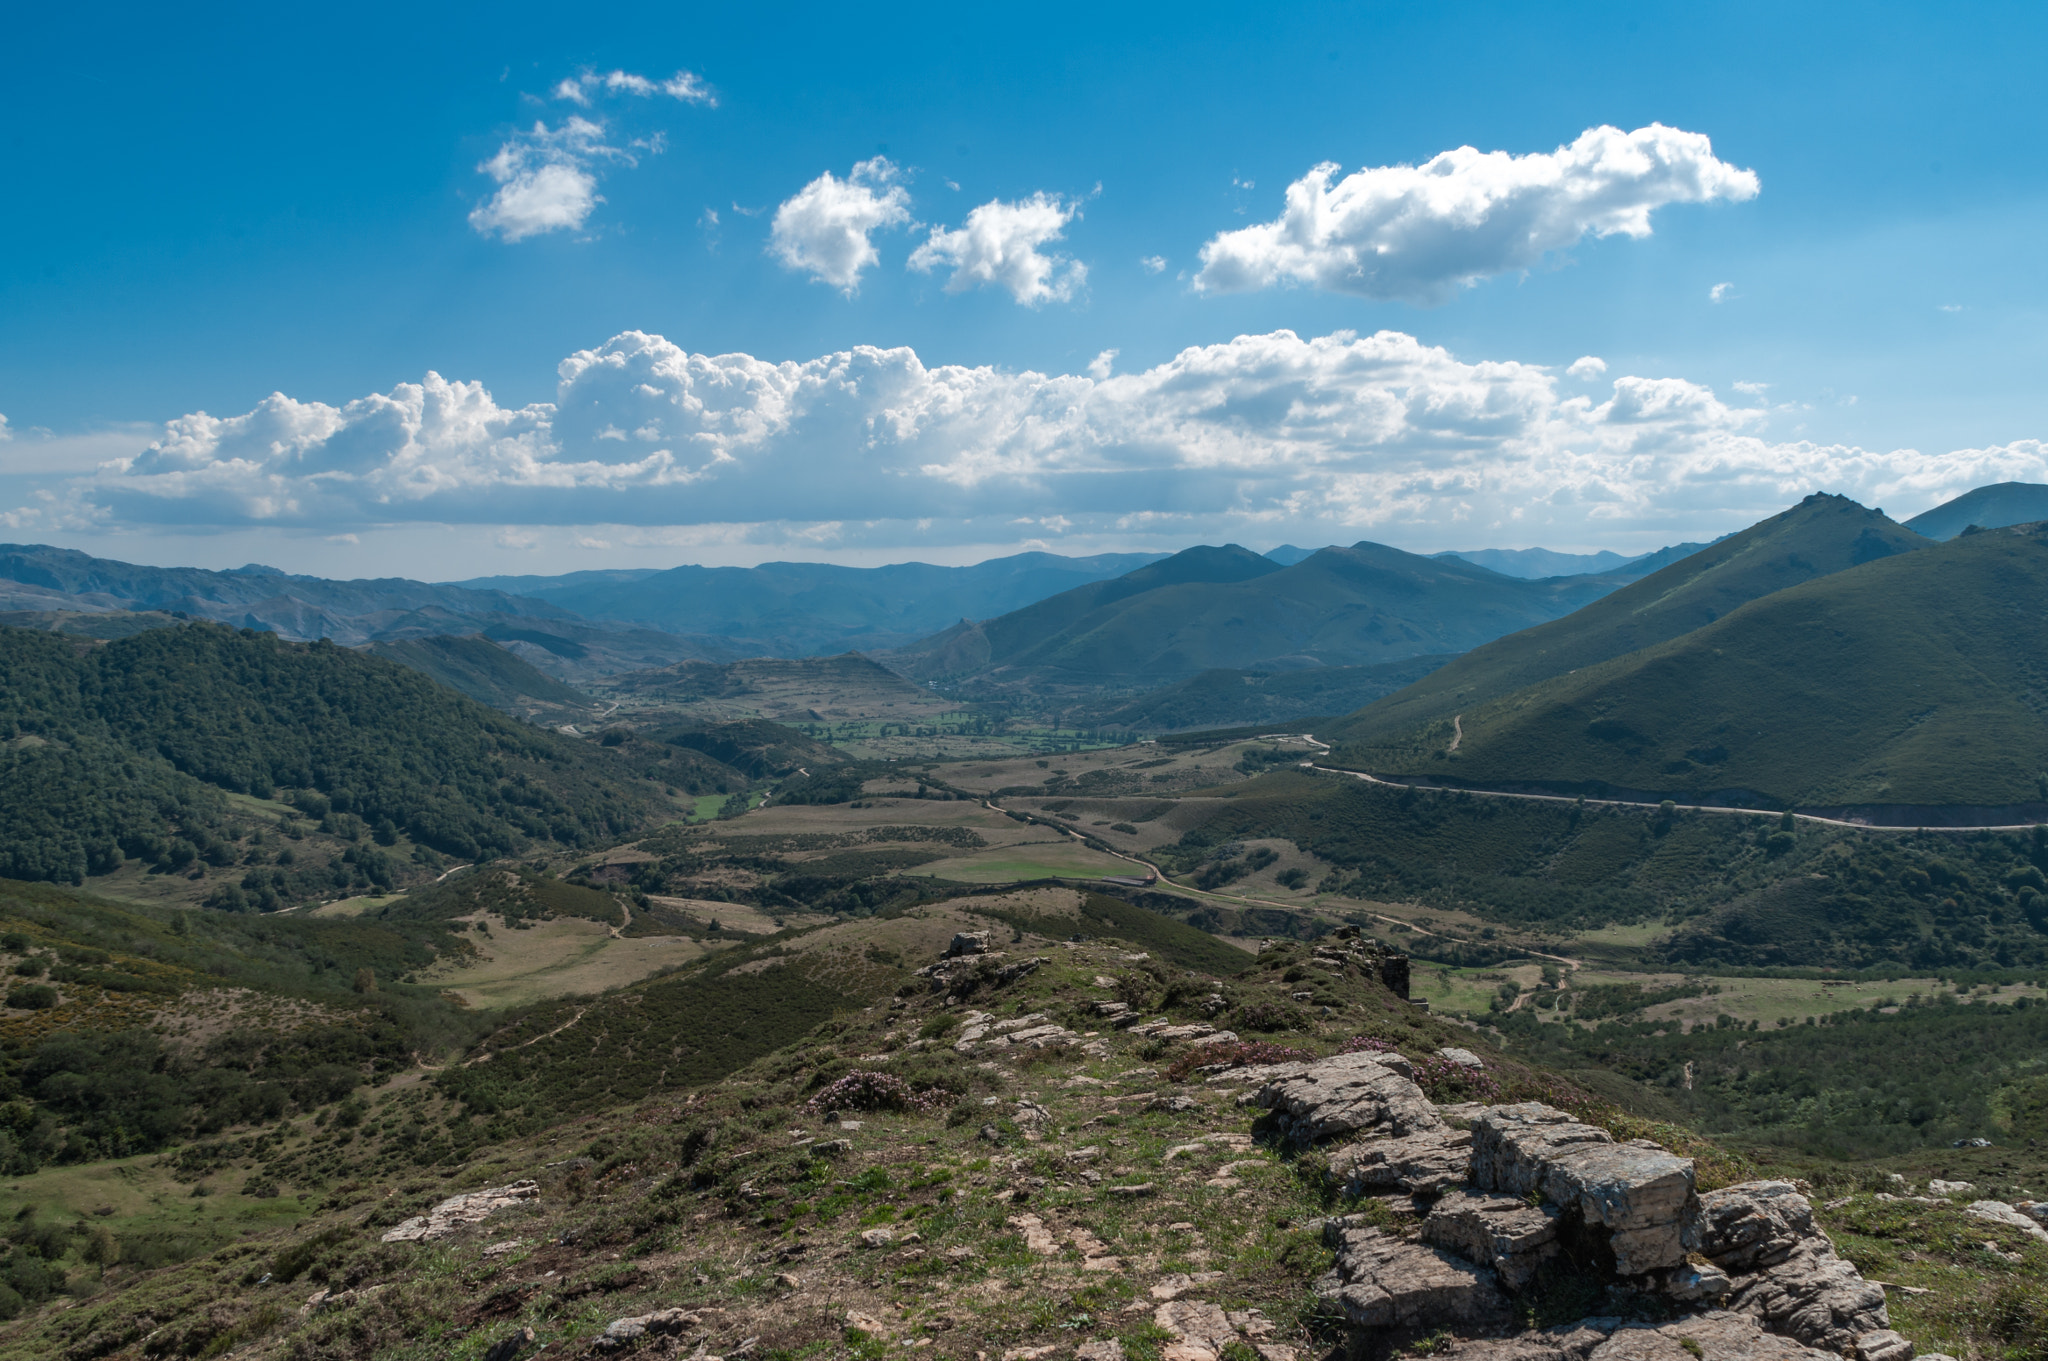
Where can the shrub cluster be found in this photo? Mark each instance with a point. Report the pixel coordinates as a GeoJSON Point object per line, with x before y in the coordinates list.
{"type": "Point", "coordinates": [1243, 1054]}
{"type": "Point", "coordinates": [864, 1089]}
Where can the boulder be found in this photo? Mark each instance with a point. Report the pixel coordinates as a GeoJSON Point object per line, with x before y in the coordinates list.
{"type": "Point", "coordinates": [1464, 1058]}
{"type": "Point", "coordinates": [1382, 1281]}
{"type": "Point", "coordinates": [1883, 1345]}
{"type": "Point", "coordinates": [1641, 1193]}
{"type": "Point", "coordinates": [1350, 1094]}
{"type": "Point", "coordinates": [1782, 1268]}
{"type": "Point", "coordinates": [1998, 1212]}
{"type": "Point", "coordinates": [1427, 1164]}
{"type": "Point", "coordinates": [968, 943]}
{"type": "Point", "coordinates": [1509, 1235]}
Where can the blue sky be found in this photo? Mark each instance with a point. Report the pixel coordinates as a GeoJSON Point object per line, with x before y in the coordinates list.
{"type": "Point", "coordinates": [210, 210]}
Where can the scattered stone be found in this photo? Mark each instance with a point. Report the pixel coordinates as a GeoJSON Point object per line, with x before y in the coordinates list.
{"type": "Point", "coordinates": [877, 1238]}
{"type": "Point", "coordinates": [1200, 1330]}
{"type": "Point", "coordinates": [833, 1148]}
{"type": "Point", "coordinates": [459, 1212]}
{"type": "Point", "coordinates": [1642, 1194]}
{"type": "Point", "coordinates": [1214, 1037]}
{"type": "Point", "coordinates": [1143, 1188]}
{"type": "Point", "coordinates": [1180, 1282]}
{"type": "Point", "coordinates": [968, 943]}
{"type": "Point", "coordinates": [1103, 1349]}
{"type": "Point", "coordinates": [1938, 1187]}
{"type": "Point", "coordinates": [1998, 1212]}
{"type": "Point", "coordinates": [789, 1282]}
{"type": "Point", "coordinates": [661, 1323]}
{"type": "Point", "coordinates": [1381, 1281]}
{"type": "Point", "coordinates": [509, 1346]}
{"type": "Point", "coordinates": [866, 1323]}
{"type": "Point", "coordinates": [1464, 1058]}
{"type": "Point", "coordinates": [501, 1248]}
{"type": "Point", "coordinates": [1036, 1236]}
{"type": "Point", "coordinates": [1028, 1353]}
{"type": "Point", "coordinates": [1104, 981]}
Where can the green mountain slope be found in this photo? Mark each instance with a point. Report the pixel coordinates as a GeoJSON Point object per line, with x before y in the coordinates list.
{"type": "Point", "coordinates": [486, 673]}
{"type": "Point", "coordinates": [1915, 680]}
{"type": "Point", "coordinates": [1819, 536]}
{"type": "Point", "coordinates": [107, 751]}
{"type": "Point", "coordinates": [1224, 699]}
{"type": "Point", "coordinates": [1992, 507]}
{"type": "Point", "coordinates": [1211, 608]}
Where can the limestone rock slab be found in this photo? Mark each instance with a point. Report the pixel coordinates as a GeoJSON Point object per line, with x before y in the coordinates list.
{"type": "Point", "coordinates": [1428, 1163]}
{"type": "Point", "coordinates": [1641, 1193]}
{"type": "Point", "coordinates": [1382, 1281]}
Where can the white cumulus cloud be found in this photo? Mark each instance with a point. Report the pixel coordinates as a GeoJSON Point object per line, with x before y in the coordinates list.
{"type": "Point", "coordinates": [1377, 436]}
{"type": "Point", "coordinates": [823, 229]}
{"type": "Point", "coordinates": [999, 244]}
{"type": "Point", "coordinates": [547, 177]}
{"type": "Point", "coordinates": [1418, 233]}
{"type": "Point", "coordinates": [684, 85]}
{"type": "Point", "coordinates": [1587, 366]}
{"type": "Point", "coordinates": [1719, 292]}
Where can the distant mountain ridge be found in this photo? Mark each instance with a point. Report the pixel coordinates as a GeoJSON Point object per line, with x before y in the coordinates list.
{"type": "Point", "coordinates": [802, 609]}
{"type": "Point", "coordinates": [1209, 608]}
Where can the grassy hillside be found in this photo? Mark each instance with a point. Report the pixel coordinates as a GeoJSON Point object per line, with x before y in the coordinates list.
{"type": "Point", "coordinates": [133, 749]}
{"type": "Point", "coordinates": [1914, 680]}
{"type": "Point", "coordinates": [1741, 891]}
{"type": "Point", "coordinates": [1226, 699]}
{"type": "Point", "coordinates": [1992, 507]}
{"type": "Point", "coordinates": [486, 673]}
{"type": "Point", "coordinates": [1819, 536]}
{"type": "Point", "coordinates": [1210, 608]}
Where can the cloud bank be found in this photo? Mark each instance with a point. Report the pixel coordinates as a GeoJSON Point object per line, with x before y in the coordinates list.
{"type": "Point", "coordinates": [1418, 233]}
{"type": "Point", "coordinates": [823, 229]}
{"type": "Point", "coordinates": [1376, 436]}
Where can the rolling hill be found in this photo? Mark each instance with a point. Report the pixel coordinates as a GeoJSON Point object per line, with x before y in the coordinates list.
{"type": "Point", "coordinates": [1992, 507]}
{"type": "Point", "coordinates": [196, 736]}
{"type": "Point", "coordinates": [1819, 536]}
{"type": "Point", "coordinates": [1209, 608]}
{"type": "Point", "coordinates": [1910, 683]}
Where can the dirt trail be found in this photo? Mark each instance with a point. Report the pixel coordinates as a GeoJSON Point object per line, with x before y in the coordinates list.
{"type": "Point", "coordinates": [1457, 733]}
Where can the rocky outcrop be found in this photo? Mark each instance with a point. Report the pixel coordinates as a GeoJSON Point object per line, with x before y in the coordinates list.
{"type": "Point", "coordinates": [459, 1212]}
{"type": "Point", "coordinates": [1520, 1184]}
{"type": "Point", "coordinates": [1381, 1281]}
{"type": "Point", "coordinates": [1640, 1193]}
{"type": "Point", "coordinates": [1784, 1270]}
{"type": "Point", "coordinates": [1351, 1094]}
